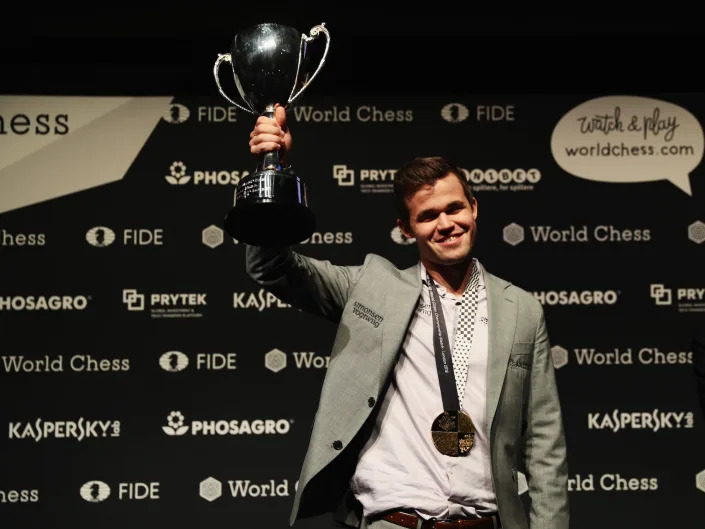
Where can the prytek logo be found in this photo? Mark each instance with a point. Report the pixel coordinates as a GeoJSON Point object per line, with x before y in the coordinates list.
{"type": "Point", "coordinates": [687, 299]}
{"type": "Point", "coordinates": [275, 360]}
{"type": "Point", "coordinates": [165, 305]}
{"type": "Point", "coordinates": [503, 179]}
{"type": "Point", "coordinates": [611, 483]}
{"type": "Point", "coordinates": [371, 180]}
{"type": "Point", "coordinates": [176, 426]}
{"type": "Point", "coordinates": [619, 357]}
{"type": "Point", "coordinates": [696, 232]}
{"type": "Point", "coordinates": [577, 297]}
{"type": "Point", "coordinates": [362, 113]}
{"type": "Point", "coordinates": [35, 303]}
{"type": "Point", "coordinates": [514, 234]}
{"type": "Point", "coordinates": [100, 236]}
{"type": "Point", "coordinates": [95, 491]}
{"type": "Point", "coordinates": [99, 491]}
{"type": "Point", "coordinates": [78, 430]}
{"type": "Point", "coordinates": [455, 112]}
{"type": "Point", "coordinates": [19, 496]}
{"type": "Point", "coordinates": [210, 489]}
{"type": "Point", "coordinates": [399, 238]}
{"type": "Point", "coordinates": [259, 301]}
{"type": "Point", "coordinates": [78, 363]}
{"type": "Point", "coordinates": [176, 114]}
{"type": "Point", "coordinates": [178, 176]}
{"type": "Point", "coordinates": [173, 361]}
{"type": "Point", "coordinates": [640, 420]}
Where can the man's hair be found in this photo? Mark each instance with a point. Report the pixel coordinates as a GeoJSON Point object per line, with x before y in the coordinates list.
{"type": "Point", "coordinates": [419, 172]}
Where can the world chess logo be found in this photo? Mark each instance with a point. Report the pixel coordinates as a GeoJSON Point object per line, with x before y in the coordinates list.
{"type": "Point", "coordinates": [455, 112]}
{"type": "Point", "coordinates": [661, 294]}
{"type": "Point", "coordinates": [212, 236]}
{"type": "Point", "coordinates": [696, 232]}
{"type": "Point", "coordinates": [178, 174]}
{"type": "Point", "coordinates": [95, 491]}
{"type": "Point", "coordinates": [513, 234]}
{"type": "Point", "coordinates": [399, 237]}
{"type": "Point", "coordinates": [210, 489]}
{"type": "Point", "coordinates": [133, 299]}
{"type": "Point", "coordinates": [275, 360]}
{"type": "Point", "coordinates": [559, 355]}
{"type": "Point", "coordinates": [344, 176]}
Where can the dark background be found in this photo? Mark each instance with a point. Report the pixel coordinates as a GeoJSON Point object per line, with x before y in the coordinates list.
{"type": "Point", "coordinates": [383, 48]}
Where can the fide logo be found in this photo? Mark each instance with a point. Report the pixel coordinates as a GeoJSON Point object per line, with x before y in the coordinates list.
{"type": "Point", "coordinates": [455, 112]}
{"type": "Point", "coordinates": [173, 361]}
{"type": "Point", "coordinates": [95, 491]}
{"type": "Point", "coordinates": [176, 114]}
{"type": "Point", "coordinates": [100, 236]}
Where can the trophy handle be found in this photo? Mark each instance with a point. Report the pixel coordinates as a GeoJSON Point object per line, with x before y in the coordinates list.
{"type": "Point", "coordinates": [225, 57]}
{"type": "Point", "coordinates": [315, 30]}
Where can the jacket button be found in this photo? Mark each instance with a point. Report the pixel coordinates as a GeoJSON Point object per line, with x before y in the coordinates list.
{"type": "Point", "coordinates": [371, 402]}
{"type": "Point", "coordinates": [337, 445]}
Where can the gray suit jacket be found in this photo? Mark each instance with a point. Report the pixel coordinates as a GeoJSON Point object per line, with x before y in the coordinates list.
{"type": "Point", "coordinates": [525, 423]}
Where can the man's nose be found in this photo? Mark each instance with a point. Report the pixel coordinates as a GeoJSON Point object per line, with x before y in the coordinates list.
{"type": "Point", "coordinates": [444, 222]}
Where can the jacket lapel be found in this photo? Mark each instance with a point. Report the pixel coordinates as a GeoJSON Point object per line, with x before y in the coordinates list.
{"type": "Point", "coordinates": [502, 311]}
{"type": "Point", "coordinates": [399, 307]}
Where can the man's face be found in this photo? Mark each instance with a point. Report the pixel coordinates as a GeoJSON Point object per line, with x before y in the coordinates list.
{"type": "Point", "coordinates": [442, 221]}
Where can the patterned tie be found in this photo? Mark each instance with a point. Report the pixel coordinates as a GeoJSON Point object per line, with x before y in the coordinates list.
{"type": "Point", "coordinates": [464, 331]}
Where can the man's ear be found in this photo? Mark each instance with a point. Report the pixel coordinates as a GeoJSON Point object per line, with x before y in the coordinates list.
{"type": "Point", "coordinates": [405, 229]}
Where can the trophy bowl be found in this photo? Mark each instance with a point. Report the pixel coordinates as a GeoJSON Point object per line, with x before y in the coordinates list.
{"type": "Point", "coordinates": [270, 65]}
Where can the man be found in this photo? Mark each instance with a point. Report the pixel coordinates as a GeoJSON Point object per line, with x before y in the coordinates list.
{"type": "Point", "coordinates": [404, 435]}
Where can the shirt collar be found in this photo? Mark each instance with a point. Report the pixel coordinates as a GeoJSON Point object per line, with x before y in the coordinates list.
{"type": "Point", "coordinates": [441, 289]}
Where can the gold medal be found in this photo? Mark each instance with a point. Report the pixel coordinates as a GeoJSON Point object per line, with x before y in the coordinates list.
{"type": "Point", "coordinates": [453, 433]}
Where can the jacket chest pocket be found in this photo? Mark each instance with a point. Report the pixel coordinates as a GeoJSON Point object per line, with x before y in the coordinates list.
{"type": "Point", "coordinates": [522, 355]}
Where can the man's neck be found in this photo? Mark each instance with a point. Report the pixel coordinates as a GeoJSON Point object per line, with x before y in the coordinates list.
{"type": "Point", "coordinates": [453, 278]}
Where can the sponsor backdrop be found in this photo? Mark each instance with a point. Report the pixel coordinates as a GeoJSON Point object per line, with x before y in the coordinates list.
{"type": "Point", "coordinates": [146, 379]}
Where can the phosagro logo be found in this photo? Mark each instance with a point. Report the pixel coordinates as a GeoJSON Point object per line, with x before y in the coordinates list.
{"type": "Point", "coordinates": [687, 299]}
{"type": "Point", "coordinates": [176, 113]}
{"type": "Point", "coordinates": [165, 305]}
{"type": "Point", "coordinates": [35, 303]}
{"type": "Point", "coordinates": [640, 420]}
{"type": "Point", "coordinates": [176, 426]}
{"type": "Point", "coordinates": [371, 180]}
{"type": "Point", "coordinates": [179, 176]}
{"type": "Point", "coordinates": [514, 234]}
{"type": "Point", "coordinates": [455, 112]}
{"type": "Point", "coordinates": [577, 297]}
{"type": "Point", "coordinates": [210, 489]}
{"type": "Point", "coordinates": [79, 430]}
{"type": "Point", "coordinates": [95, 491]}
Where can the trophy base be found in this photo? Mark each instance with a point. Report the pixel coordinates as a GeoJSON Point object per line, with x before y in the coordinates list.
{"type": "Point", "coordinates": [270, 210]}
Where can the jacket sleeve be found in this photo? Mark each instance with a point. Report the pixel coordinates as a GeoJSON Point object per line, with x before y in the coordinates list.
{"type": "Point", "coordinates": [313, 285]}
{"type": "Point", "coordinates": [545, 450]}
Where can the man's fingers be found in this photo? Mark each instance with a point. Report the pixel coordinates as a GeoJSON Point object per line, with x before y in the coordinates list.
{"type": "Point", "coordinates": [267, 146]}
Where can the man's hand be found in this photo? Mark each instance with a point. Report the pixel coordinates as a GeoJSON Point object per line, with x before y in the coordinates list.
{"type": "Point", "coordinates": [271, 135]}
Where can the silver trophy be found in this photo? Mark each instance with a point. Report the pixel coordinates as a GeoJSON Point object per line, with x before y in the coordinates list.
{"type": "Point", "coordinates": [270, 66]}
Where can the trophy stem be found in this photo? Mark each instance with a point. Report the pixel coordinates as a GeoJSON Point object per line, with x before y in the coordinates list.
{"type": "Point", "coordinates": [270, 160]}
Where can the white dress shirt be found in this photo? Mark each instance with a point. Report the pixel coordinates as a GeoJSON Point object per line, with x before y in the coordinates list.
{"type": "Point", "coordinates": [399, 468]}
